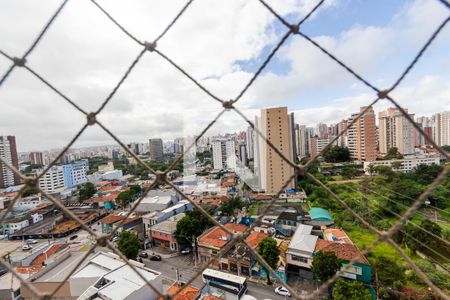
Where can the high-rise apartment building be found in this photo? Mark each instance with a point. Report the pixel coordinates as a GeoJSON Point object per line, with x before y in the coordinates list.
{"type": "Point", "coordinates": [250, 142]}
{"type": "Point", "coordinates": [156, 149]}
{"type": "Point", "coordinates": [224, 154]}
{"type": "Point", "coordinates": [8, 152]}
{"type": "Point", "coordinates": [276, 125]}
{"type": "Point", "coordinates": [426, 124]}
{"type": "Point", "coordinates": [317, 144]}
{"type": "Point", "coordinates": [36, 158]}
{"type": "Point", "coordinates": [75, 173]}
{"type": "Point", "coordinates": [395, 130]}
{"type": "Point", "coordinates": [362, 136]}
{"type": "Point", "coordinates": [302, 136]}
{"type": "Point", "coordinates": [441, 128]}
{"type": "Point", "coordinates": [53, 180]}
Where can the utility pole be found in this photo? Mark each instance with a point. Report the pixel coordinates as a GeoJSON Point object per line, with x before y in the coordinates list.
{"type": "Point", "coordinates": [194, 251]}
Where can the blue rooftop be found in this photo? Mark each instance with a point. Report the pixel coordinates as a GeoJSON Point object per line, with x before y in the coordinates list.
{"type": "Point", "coordinates": [319, 214]}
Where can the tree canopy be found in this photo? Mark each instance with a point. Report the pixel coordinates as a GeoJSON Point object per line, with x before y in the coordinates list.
{"type": "Point", "coordinates": [124, 198]}
{"type": "Point", "coordinates": [193, 224]}
{"type": "Point", "coordinates": [393, 154]}
{"type": "Point", "coordinates": [268, 249]}
{"type": "Point", "coordinates": [350, 290]}
{"type": "Point", "coordinates": [87, 190]}
{"type": "Point", "coordinates": [129, 244]}
{"type": "Point", "coordinates": [231, 205]}
{"type": "Point", "coordinates": [325, 265]}
{"type": "Point", "coordinates": [337, 154]}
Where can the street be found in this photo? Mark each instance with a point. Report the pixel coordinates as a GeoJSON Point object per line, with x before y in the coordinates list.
{"type": "Point", "coordinates": [185, 265]}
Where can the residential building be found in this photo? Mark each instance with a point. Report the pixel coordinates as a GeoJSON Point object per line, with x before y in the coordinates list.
{"type": "Point", "coordinates": [53, 180]}
{"type": "Point", "coordinates": [275, 124]}
{"type": "Point", "coordinates": [8, 153]}
{"type": "Point", "coordinates": [301, 248]}
{"type": "Point", "coordinates": [426, 124]}
{"type": "Point", "coordinates": [75, 173]}
{"type": "Point", "coordinates": [156, 203]}
{"type": "Point", "coordinates": [250, 142]}
{"type": "Point", "coordinates": [36, 158]}
{"type": "Point", "coordinates": [337, 242]}
{"type": "Point", "coordinates": [362, 136]}
{"type": "Point", "coordinates": [187, 293]}
{"type": "Point", "coordinates": [11, 226]}
{"type": "Point", "coordinates": [120, 219]}
{"type": "Point", "coordinates": [395, 130]}
{"type": "Point", "coordinates": [156, 217]}
{"type": "Point", "coordinates": [316, 145]}
{"type": "Point", "coordinates": [156, 149]}
{"type": "Point", "coordinates": [243, 154]}
{"type": "Point", "coordinates": [31, 202]}
{"type": "Point", "coordinates": [288, 220]}
{"type": "Point", "coordinates": [214, 239]}
{"type": "Point", "coordinates": [224, 154]}
{"type": "Point", "coordinates": [302, 141]}
{"type": "Point", "coordinates": [441, 128]}
{"type": "Point", "coordinates": [163, 234]}
{"type": "Point", "coordinates": [405, 164]}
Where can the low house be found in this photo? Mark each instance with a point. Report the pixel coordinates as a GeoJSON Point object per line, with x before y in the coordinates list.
{"type": "Point", "coordinates": [187, 293]}
{"type": "Point", "coordinates": [213, 240]}
{"type": "Point", "coordinates": [157, 203]}
{"type": "Point", "coordinates": [288, 220]}
{"type": "Point", "coordinates": [163, 234]}
{"type": "Point", "coordinates": [156, 217]}
{"type": "Point", "coordinates": [320, 218]}
{"type": "Point", "coordinates": [120, 219]}
{"type": "Point", "coordinates": [337, 242]}
{"type": "Point", "coordinates": [301, 248]}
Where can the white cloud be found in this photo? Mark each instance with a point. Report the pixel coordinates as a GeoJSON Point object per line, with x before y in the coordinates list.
{"type": "Point", "coordinates": [84, 55]}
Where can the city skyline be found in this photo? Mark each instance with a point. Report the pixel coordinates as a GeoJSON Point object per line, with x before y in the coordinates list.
{"type": "Point", "coordinates": [140, 112]}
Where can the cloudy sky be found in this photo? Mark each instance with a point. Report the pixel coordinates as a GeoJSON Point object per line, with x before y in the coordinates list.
{"type": "Point", "coordinates": [220, 43]}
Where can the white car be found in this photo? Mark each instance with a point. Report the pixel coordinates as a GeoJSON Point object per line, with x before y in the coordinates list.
{"type": "Point", "coordinates": [281, 290]}
{"type": "Point", "coordinates": [186, 251]}
{"type": "Point", "coordinates": [32, 241]}
{"type": "Point", "coordinates": [26, 247]}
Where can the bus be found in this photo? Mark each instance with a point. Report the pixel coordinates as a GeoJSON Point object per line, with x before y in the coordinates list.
{"type": "Point", "coordinates": [236, 285]}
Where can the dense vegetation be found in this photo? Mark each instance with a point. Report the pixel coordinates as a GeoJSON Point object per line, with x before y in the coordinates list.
{"type": "Point", "coordinates": [193, 224]}
{"type": "Point", "coordinates": [380, 199]}
{"type": "Point", "coordinates": [129, 244]}
{"type": "Point", "coordinates": [86, 191]}
{"type": "Point", "coordinates": [337, 154]}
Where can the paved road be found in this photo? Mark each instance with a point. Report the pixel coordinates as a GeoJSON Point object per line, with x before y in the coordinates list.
{"type": "Point", "coordinates": [185, 266]}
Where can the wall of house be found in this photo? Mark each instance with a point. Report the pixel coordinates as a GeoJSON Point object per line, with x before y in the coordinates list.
{"type": "Point", "coordinates": [360, 272]}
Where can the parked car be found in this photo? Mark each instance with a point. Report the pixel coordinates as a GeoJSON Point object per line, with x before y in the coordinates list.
{"type": "Point", "coordinates": [281, 290]}
{"type": "Point", "coordinates": [115, 239]}
{"type": "Point", "coordinates": [185, 251]}
{"type": "Point", "coordinates": [31, 241]}
{"type": "Point", "coordinates": [155, 257]}
{"type": "Point", "coordinates": [143, 254]}
{"type": "Point", "coordinates": [26, 247]}
{"type": "Point", "coordinates": [73, 237]}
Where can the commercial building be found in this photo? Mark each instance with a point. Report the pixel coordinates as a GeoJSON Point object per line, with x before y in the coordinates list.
{"type": "Point", "coordinates": [75, 173]}
{"type": "Point", "coordinates": [36, 158]}
{"type": "Point", "coordinates": [395, 130]}
{"type": "Point", "coordinates": [157, 203]}
{"type": "Point", "coordinates": [156, 149]}
{"type": "Point", "coordinates": [156, 217]}
{"type": "Point", "coordinates": [163, 234]}
{"type": "Point", "coordinates": [275, 124]}
{"type": "Point", "coordinates": [403, 165]}
{"type": "Point", "coordinates": [224, 154]}
{"type": "Point", "coordinates": [8, 153]}
{"type": "Point", "coordinates": [53, 180]}
{"type": "Point", "coordinates": [362, 136]}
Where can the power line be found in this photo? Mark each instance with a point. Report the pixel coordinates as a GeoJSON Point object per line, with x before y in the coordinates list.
{"type": "Point", "coordinates": [408, 222]}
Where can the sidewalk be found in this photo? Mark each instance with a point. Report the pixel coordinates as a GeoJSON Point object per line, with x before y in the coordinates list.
{"type": "Point", "coordinates": [164, 253]}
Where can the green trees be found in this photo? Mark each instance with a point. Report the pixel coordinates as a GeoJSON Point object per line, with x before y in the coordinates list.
{"type": "Point", "coordinates": [30, 191]}
{"type": "Point", "coordinates": [268, 249]}
{"type": "Point", "coordinates": [350, 290]}
{"type": "Point", "coordinates": [411, 234]}
{"type": "Point", "coordinates": [193, 224]}
{"type": "Point", "coordinates": [393, 154]}
{"type": "Point", "coordinates": [325, 265]}
{"type": "Point", "coordinates": [129, 244]}
{"type": "Point", "coordinates": [87, 190]}
{"type": "Point", "coordinates": [124, 198]}
{"type": "Point", "coordinates": [337, 154]}
{"type": "Point", "coordinates": [390, 274]}
{"type": "Point", "coordinates": [231, 205]}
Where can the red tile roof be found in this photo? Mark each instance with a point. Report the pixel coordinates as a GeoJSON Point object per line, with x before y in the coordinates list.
{"type": "Point", "coordinates": [41, 258]}
{"type": "Point", "coordinates": [341, 250]}
{"type": "Point", "coordinates": [263, 197]}
{"type": "Point", "coordinates": [110, 219]}
{"type": "Point", "coordinates": [217, 237]}
{"type": "Point", "coordinates": [188, 292]}
{"type": "Point", "coordinates": [254, 238]}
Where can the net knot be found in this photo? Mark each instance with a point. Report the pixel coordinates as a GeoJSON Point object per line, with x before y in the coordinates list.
{"type": "Point", "coordinates": [150, 46]}
{"type": "Point", "coordinates": [91, 118]}
{"type": "Point", "coordinates": [20, 62]}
